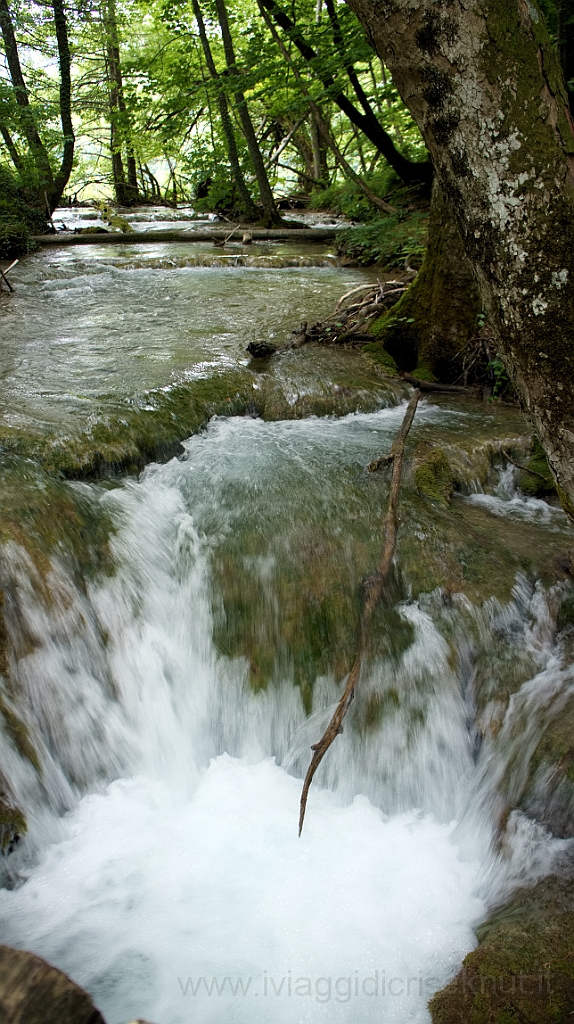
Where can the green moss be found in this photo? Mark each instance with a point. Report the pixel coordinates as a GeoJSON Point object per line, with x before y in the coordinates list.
{"type": "Point", "coordinates": [377, 354]}
{"type": "Point", "coordinates": [433, 475]}
{"type": "Point", "coordinates": [142, 435]}
{"type": "Point", "coordinates": [566, 502]}
{"type": "Point", "coordinates": [540, 480]}
{"type": "Point", "coordinates": [12, 826]}
{"type": "Point", "coordinates": [523, 969]}
{"type": "Point", "coordinates": [424, 372]}
{"type": "Point", "coordinates": [434, 319]}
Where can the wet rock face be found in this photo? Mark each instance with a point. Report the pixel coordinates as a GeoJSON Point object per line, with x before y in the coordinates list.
{"type": "Point", "coordinates": [32, 992]}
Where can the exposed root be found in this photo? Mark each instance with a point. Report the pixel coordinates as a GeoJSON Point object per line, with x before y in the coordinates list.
{"type": "Point", "coordinates": [353, 312]}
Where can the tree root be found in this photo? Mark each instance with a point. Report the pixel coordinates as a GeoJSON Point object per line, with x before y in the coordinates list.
{"type": "Point", "coordinates": [345, 325]}
{"type": "Point", "coordinates": [373, 591]}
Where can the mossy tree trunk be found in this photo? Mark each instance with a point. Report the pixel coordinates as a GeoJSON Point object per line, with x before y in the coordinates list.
{"type": "Point", "coordinates": [484, 84]}
{"type": "Point", "coordinates": [427, 331]}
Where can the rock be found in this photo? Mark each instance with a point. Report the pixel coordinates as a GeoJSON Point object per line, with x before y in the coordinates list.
{"type": "Point", "coordinates": [523, 969]}
{"type": "Point", "coordinates": [247, 238]}
{"type": "Point", "coordinates": [33, 992]}
{"type": "Point", "coordinates": [433, 474]}
{"type": "Point", "coordinates": [12, 825]}
{"type": "Point", "coordinates": [261, 349]}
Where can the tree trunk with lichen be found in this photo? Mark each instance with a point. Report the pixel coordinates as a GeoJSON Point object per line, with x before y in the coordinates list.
{"type": "Point", "coordinates": [427, 331]}
{"type": "Point", "coordinates": [484, 84]}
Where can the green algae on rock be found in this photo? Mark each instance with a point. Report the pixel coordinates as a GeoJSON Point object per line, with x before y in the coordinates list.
{"type": "Point", "coordinates": [433, 474]}
{"type": "Point", "coordinates": [523, 969]}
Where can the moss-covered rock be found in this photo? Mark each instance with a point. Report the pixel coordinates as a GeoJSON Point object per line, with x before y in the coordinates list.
{"type": "Point", "coordinates": [523, 969]}
{"type": "Point", "coordinates": [537, 478]}
{"type": "Point", "coordinates": [549, 792]}
{"type": "Point", "coordinates": [12, 826]}
{"type": "Point", "coordinates": [433, 475]}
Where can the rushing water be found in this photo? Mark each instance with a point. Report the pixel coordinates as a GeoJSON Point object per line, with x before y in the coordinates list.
{"type": "Point", "coordinates": [172, 699]}
{"type": "Point", "coordinates": [90, 327]}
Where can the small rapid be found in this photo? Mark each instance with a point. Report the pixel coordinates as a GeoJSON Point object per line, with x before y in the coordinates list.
{"type": "Point", "coordinates": [162, 869]}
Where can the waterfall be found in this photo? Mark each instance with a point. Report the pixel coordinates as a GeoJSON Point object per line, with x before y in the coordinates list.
{"type": "Point", "coordinates": [162, 868]}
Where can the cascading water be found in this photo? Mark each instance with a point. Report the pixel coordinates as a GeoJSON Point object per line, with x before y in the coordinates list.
{"type": "Point", "coordinates": [175, 888]}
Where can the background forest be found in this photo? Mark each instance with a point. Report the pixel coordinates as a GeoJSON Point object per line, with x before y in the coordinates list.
{"type": "Point", "coordinates": [239, 108]}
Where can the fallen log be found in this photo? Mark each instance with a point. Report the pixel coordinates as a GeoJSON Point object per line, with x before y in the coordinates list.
{"type": "Point", "coordinates": [207, 234]}
{"type": "Point", "coordinates": [449, 389]}
{"type": "Point", "coordinates": [372, 594]}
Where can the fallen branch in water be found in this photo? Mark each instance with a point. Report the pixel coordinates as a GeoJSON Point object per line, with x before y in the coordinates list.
{"type": "Point", "coordinates": [4, 275]}
{"type": "Point", "coordinates": [524, 469]}
{"type": "Point", "coordinates": [345, 325]}
{"type": "Point", "coordinates": [373, 592]}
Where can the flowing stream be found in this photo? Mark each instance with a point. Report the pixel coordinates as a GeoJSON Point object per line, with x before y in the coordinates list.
{"type": "Point", "coordinates": [172, 688]}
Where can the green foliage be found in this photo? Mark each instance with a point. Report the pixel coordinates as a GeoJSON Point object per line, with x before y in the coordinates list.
{"type": "Point", "coordinates": [18, 216]}
{"type": "Point", "coordinates": [221, 197]}
{"type": "Point", "coordinates": [502, 385]}
{"type": "Point", "coordinates": [387, 240]}
{"type": "Point", "coordinates": [345, 197]}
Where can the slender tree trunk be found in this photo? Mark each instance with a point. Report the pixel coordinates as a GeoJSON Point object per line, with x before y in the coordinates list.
{"type": "Point", "coordinates": [65, 169]}
{"type": "Point", "coordinates": [410, 171]}
{"type": "Point", "coordinates": [11, 147]}
{"type": "Point", "coordinates": [484, 84]}
{"type": "Point", "coordinates": [272, 216]}
{"type": "Point", "coordinates": [320, 168]}
{"type": "Point", "coordinates": [27, 122]}
{"type": "Point", "coordinates": [110, 24]}
{"type": "Point", "coordinates": [226, 122]}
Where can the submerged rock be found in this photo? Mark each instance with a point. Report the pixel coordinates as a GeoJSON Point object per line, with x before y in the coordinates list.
{"type": "Point", "coordinates": [33, 992]}
{"type": "Point", "coordinates": [523, 969]}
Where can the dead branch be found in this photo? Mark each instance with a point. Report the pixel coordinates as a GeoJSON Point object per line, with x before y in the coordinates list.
{"type": "Point", "coordinates": [345, 324]}
{"type": "Point", "coordinates": [4, 275]}
{"type": "Point", "coordinates": [524, 469]}
{"type": "Point", "coordinates": [372, 594]}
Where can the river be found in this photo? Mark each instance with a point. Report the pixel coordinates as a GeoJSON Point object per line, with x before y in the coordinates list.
{"type": "Point", "coordinates": [177, 638]}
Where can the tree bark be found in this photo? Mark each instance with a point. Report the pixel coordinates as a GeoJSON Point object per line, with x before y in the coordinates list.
{"type": "Point", "coordinates": [65, 169]}
{"type": "Point", "coordinates": [11, 147]}
{"type": "Point", "coordinates": [484, 84]}
{"type": "Point", "coordinates": [565, 16]}
{"type": "Point", "coordinates": [116, 102]}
